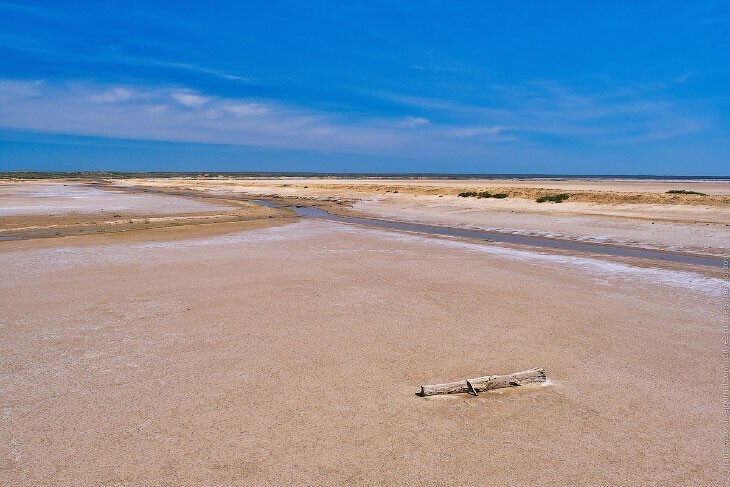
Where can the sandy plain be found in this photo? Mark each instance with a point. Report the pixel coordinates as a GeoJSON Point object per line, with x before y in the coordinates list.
{"type": "Point", "coordinates": [290, 354]}
{"type": "Point", "coordinates": [38, 209]}
{"type": "Point", "coordinates": [630, 213]}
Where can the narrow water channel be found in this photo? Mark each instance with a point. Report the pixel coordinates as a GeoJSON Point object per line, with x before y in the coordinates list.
{"type": "Point", "coordinates": [595, 248]}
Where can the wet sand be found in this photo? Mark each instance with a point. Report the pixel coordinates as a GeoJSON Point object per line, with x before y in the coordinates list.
{"type": "Point", "coordinates": [292, 354]}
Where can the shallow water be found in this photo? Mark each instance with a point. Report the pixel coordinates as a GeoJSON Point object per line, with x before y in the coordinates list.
{"type": "Point", "coordinates": [604, 249]}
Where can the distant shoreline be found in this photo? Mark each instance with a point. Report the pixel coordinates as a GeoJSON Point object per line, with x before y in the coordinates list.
{"type": "Point", "coordinates": [349, 175]}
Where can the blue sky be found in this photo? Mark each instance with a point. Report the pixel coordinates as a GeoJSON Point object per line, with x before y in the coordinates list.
{"type": "Point", "coordinates": [462, 87]}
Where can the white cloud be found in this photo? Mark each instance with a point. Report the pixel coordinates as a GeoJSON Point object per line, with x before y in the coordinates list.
{"type": "Point", "coordinates": [11, 90]}
{"type": "Point", "coordinates": [179, 114]}
{"type": "Point", "coordinates": [202, 69]}
{"type": "Point", "coordinates": [247, 109]}
{"type": "Point", "coordinates": [181, 66]}
{"type": "Point", "coordinates": [112, 96]}
{"type": "Point", "coordinates": [617, 115]}
{"type": "Point", "coordinates": [414, 122]}
{"type": "Point", "coordinates": [183, 115]}
{"type": "Point", "coordinates": [684, 77]}
{"type": "Point", "coordinates": [189, 99]}
{"type": "Point", "coordinates": [476, 131]}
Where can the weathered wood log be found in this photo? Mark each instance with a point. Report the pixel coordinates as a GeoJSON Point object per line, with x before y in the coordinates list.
{"type": "Point", "coordinates": [486, 383]}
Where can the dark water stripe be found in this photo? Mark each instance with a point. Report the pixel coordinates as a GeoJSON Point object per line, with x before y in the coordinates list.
{"type": "Point", "coordinates": [595, 248]}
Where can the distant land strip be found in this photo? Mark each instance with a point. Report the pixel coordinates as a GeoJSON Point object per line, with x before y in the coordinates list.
{"type": "Point", "coordinates": [336, 175]}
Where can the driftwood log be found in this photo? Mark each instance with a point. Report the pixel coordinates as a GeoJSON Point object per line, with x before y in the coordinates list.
{"type": "Point", "coordinates": [486, 383]}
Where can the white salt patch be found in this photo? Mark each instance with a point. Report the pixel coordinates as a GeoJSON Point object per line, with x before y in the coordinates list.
{"type": "Point", "coordinates": [27, 263]}
{"type": "Point", "coordinates": [58, 198]}
{"type": "Point", "coordinates": [15, 451]}
{"type": "Point", "coordinates": [720, 247]}
{"type": "Point", "coordinates": [600, 269]}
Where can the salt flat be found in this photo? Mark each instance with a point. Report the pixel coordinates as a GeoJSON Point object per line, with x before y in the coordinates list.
{"type": "Point", "coordinates": [291, 354]}
{"type": "Point", "coordinates": [40, 198]}
{"type": "Point", "coordinates": [631, 213]}
{"type": "Point", "coordinates": [50, 209]}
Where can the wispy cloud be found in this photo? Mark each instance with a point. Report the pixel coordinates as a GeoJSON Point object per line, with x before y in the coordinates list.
{"type": "Point", "coordinates": [189, 99]}
{"type": "Point", "coordinates": [545, 108]}
{"type": "Point", "coordinates": [186, 115]}
{"type": "Point", "coordinates": [414, 122]}
{"type": "Point", "coordinates": [519, 122]}
{"type": "Point", "coordinates": [31, 10]}
{"type": "Point", "coordinates": [246, 109]}
{"type": "Point", "coordinates": [477, 131]}
{"type": "Point", "coordinates": [195, 68]}
{"type": "Point", "coordinates": [113, 95]}
{"type": "Point", "coordinates": [37, 47]}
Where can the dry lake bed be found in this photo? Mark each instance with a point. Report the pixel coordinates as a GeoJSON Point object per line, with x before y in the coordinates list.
{"type": "Point", "coordinates": [187, 336]}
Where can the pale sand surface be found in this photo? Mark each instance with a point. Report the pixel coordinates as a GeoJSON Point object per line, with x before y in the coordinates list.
{"type": "Point", "coordinates": [206, 355]}
{"type": "Point", "coordinates": [695, 228]}
{"type": "Point", "coordinates": [651, 226]}
{"type": "Point", "coordinates": [46, 209]}
{"type": "Point", "coordinates": [291, 355]}
{"type": "Point", "coordinates": [44, 198]}
{"type": "Point", "coordinates": [643, 186]}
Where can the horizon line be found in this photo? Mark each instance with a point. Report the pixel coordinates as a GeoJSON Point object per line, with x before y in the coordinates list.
{"type": "Point", "coordinates": [446, 175]}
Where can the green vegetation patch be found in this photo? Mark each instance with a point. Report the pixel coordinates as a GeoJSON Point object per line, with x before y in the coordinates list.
{"type": "Point", "coordinates": [556, 198]}
{"type": "Point", "coordinates": [684, 191]}
{"type": "Point", "coordinates": [482, 194]}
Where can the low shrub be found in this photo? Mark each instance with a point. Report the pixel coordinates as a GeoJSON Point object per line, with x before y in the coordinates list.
{"type": "Point", "coordinates": [684, 191]}
{"type": "Point", "coordinates": [482, 194]}
{"type": "Point", "coordinates": [556, 198]}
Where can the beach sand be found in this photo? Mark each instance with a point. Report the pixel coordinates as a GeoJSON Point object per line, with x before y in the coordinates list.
{"type": "Point", "coordinates": [291, 354]}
